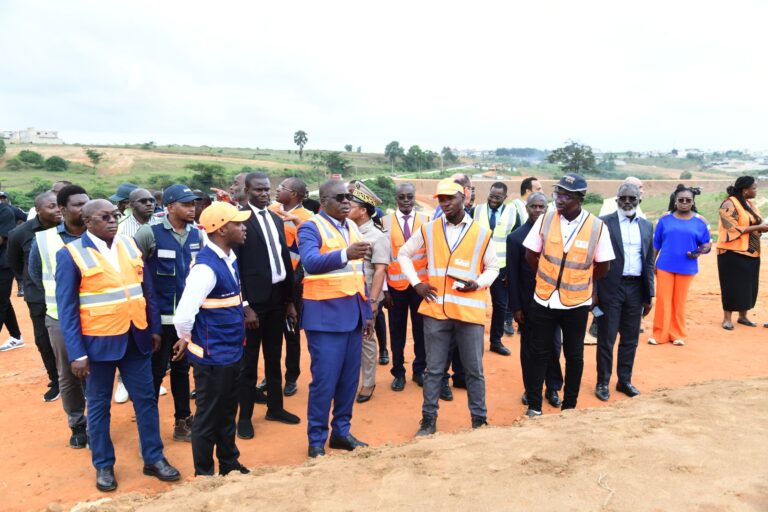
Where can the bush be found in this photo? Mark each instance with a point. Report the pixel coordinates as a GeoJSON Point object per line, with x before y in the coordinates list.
{"type": "Point", "coordinates": [14, 164]}
{"type": "Point", "coordinates": [686, 175]}
{"type": "Point", "coordinates": [56, 164]}
{"type": "Point", "coordinates": [593, 198]}
{"type": "Point", "coordinates": [32, 158]}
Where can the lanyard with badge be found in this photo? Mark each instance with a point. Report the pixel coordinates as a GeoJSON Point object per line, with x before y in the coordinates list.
{"type": "Point", "coordinates": [458, 238]}
{"type": "Point", "coordinates": [582, 218]}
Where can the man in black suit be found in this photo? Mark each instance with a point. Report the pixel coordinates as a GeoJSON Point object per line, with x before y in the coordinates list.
{"type": "Point", "coordinates": [521, 282]}
{"type": "Point", "coordinates": [626, 292]}
{"type": "Point", "coordinates": [266, 277]}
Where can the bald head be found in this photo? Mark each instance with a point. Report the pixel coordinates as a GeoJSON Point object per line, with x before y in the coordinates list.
{"type": "Point", "coordinates": [138, 194]}
{"type": "Point", "coordinates": [100, 218]}
{"type": "Point", "coordinates": [96, 204]}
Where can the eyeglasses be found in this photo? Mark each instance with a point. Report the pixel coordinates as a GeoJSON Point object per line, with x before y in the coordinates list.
{"type": "Point", "coordinates": [684, 200]}
{"type": "Point", "coordinates": [566, 196]}
{"type": "Point", "coordinates": [146, 200]}
{"type": "Point", "coordinates": [284, 188]}
{"type": "Point", "coordinates": [106, 217]}
{"type": "Point", "coordinates": [627, 199]}
{"type": "Point", "coordinates": [405, 197]}
{"type": "Point", "coordinates": [340, 197]}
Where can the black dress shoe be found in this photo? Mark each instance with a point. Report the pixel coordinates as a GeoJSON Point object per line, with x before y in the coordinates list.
{"type": "Point", "coordinates": [627, 388]}
{"type": "Point", "coordinates": [283, 416]}
{"type": "Point", "coordinates": [446, 393]}
{"type": "Point", "coordinates": [398, 384]}
{"type": "Point", "coordinates": [290, 388]}
{"type": "Point", "coordinates": [193, 394]}
{"type": "Point", "coordinates": [315, 451]}
{"type": "Point", "coordinates": [79, 437]}
{"type": "Point", "coordinates": [361, 398]}
{"type": "Point", "coordinates": [348, 443]}
{"type": "Point", "coordinates": [459, 383]}
{"type": "Point", "coordinates": [245, 429]}
{"type": "Point", "coordinates": [553, 398]}
{"type": "Point", "coordinates": [418, 379]}
{"type": "Point", "coordinates": [383, 357]}
{"type": "Point", "coordinates": [262, 386]}
{"type": "Point", "coordinates": [259, 396]}
{"type": "Point", "coordinates": [500, 349]}
{"type": "Point", "coordinates": [524, 399]}
{"type": "Point", "coordinates": [239, 468]}
{"type": "Point", "coordinates": [601, 392]}
{"type": "Point", "coordinates": [509, 329]}
{"type": "Point", "coordinates": [428, 426]}
{"type": "Point", "coordinates": [105, 479]}
{"type": "Point", "coordinates": [479, 421]}
{"type": "Point", "coordinates": [162, 471]}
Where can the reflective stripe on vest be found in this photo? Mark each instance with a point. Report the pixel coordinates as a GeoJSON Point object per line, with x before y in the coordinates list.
{"type": "Point", "coordinates": [395, 277]}
{"type": "Point", "coordinates": [48, 244]}
{"type": "Point", "coordinates": [504, 223]}
{"type": "Point", "coordinates": [568, 273]}
{"type": "Point", "coordinates": [226, 302]}
{"type": "Point", "coordinates": [110, 299]}
{"type": "Point", "coordinates": [344, 282]}
{"type": "Point", "coordinates": [744, 220]}
{"type": "Point", "coordinates": [446, 266]}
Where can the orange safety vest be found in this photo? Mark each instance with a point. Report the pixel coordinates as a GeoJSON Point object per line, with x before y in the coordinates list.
{"type": "Point", "coordinates": [290, 230]}
{"type": "Point", "coordinates": [110, 300]}
{"type": "Point", "coordinates": [344, 282]}
{"type": "Point", "coordinates": [741, 243]}
{"type": "Point", "coordinates": [569, 273]}
{"type": "Point", "coordinates": [395, 277]}
{"type": "Point", "coordinates": [444, 265]}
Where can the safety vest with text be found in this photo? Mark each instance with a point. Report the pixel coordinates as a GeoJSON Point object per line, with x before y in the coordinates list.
{"type": "Point", "coordinates": [395, 277]}
{"type": "Point", "coordinates": [344, 282]}
{"type": "Point", "coordinates": [505, 221]}
{"type": "Point", "coordinates": [569, 273]}
{"type": "Point", "coordinates": [741, 243]}
{"type": "Point", "coordinates": [446, 265]}
{"type": "Point", "coordinates": [290, 229]}
{"type": "Point", "coordinates": [48, 244]}
{"type": "Point", "coordinates": [110, 299]}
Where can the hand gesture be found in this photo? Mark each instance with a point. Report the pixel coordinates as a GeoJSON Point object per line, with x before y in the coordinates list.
{"type": "Point", "coordinates": [357, 250]}
{"type": "Point", "coordinates": [426, 291]}
{"type": "Point", "coordinates": [178, 350]}
{"type": "Point", "coordinates": [81, 369]}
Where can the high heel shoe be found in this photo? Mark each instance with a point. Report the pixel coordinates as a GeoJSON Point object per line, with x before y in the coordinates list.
{"type": "Point", "coordinates": [361, 398]}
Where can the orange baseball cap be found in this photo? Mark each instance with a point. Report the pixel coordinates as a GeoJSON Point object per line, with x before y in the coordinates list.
{"type": "Point", "coordinates": [219, 213]}
{"type": "Point", "coordinates": [448, 187]}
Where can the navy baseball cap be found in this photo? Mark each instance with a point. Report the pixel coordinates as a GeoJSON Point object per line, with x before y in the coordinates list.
{"type": "Point", "coordinates": [178, 193]}
{"type": "Point", "coordinates": [572, 182]}
{"type": "Point", "coordinates": [123, 191]}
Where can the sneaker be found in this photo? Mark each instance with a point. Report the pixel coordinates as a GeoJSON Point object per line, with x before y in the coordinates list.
{"type": "Point", "coordinates": [182, 430]}
{"type": "Point", "coordinates": [163, 391]}
{"type": "Point", "coordinates": [652, 341]}
{"type": "Point", "coordinates": [79, 437]}
{"type": "Point", "coordinates": [121, 395]}
{"type": "Point", "coordinates": [12, 343]}
{"type": "Point", "coordinates": [679, 343]}
{"type": "Point", "coordinates": [532, 413]}
{"type": "Point", "coordinates": [52, 394]}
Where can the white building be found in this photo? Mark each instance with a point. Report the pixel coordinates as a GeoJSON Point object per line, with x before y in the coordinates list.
{"type": "Point", "coordinates": [32, 136]}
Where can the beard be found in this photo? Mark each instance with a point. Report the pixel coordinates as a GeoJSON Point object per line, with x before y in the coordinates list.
{"type": "Point", "coordinates": [627, 213]}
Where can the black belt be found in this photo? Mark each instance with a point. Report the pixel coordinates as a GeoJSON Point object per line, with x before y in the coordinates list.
{"type": "Point", "coordinates": [631, 278]}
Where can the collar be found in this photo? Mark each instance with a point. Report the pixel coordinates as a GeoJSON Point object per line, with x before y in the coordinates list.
{"type": "Point", "coordinates": [466, 220]}
{"type": "Point", "coordinates": [221, 254]}
{"type": "Point", "coordinates": [167, 224]}
{"type": "Point", "coordinates": [257, 210]}
{"type": "Point", "coordinates": [335, 222]}
{"type": "Point", "coordinates": [577, 219]}
{"type": "Point", "coordinates": [400, 214]}
{"type": "Point", "coordinates": [624, 218]}
{"type": "Point", "coordinates": [100, 244]}
{"type": "Point", "coordinates": [62, 228]}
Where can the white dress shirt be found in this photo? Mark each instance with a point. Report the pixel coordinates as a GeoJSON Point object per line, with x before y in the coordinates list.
{"type": "Point", "coordinates": [632, 243]}
{"type": "Point", "coordinates": [278, 274]}
{"type": "Point", "coordinates": [198, 286]}
{"type": "Point", "coordinates": [454, 233]}
{"type": "Point", "coordinates": [603, 251]}
{"type": "Point", "coordinates": [399, 216]}
{"type": "Point", "coordinates": [109, 253]}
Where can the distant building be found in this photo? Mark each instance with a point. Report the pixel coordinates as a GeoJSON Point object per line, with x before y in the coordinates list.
{"type": "Point", "coordinates": [32, 136]}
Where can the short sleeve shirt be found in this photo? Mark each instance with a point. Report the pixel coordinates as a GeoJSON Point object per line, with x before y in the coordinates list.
{"type": "Point", "coordinates": [674, 238]}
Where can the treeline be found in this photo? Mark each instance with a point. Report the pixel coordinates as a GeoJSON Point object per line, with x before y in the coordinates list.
{"type": "Point", "coordinates": [532, 153]}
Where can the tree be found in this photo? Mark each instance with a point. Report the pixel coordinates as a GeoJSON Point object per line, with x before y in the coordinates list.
{"type": "Point", "coordinates": [686, 175]}
{"type": "Point", "coordinates": [573, 157]}
{"type": "Point", "coordinates": [300, 139]}
{"type": "Point", "coordinates": [2, 147]}
{"type": "Point", "coordinates": [413, 158]}
{"type": "Point", "coordinates": [32, 158]}
{"type": "Point", "coordinates": [205, 176]}
{"type": "Point", "coordinates": [94, 156]}
{"type": "Point", "coordinates": [359, 149]}
{"type": "Point", "coordinates": [348, 148]}
{"type": "Point", "coordinates": [148, 145]}
{"type": "Point", "coordinates": [336, 163]}
{"type": "Point", "coordinates": [448, 155]}
{"type": "Point", "coordinates": [56, 164]}
{"type": "Point", "coordinates": [392, 152]}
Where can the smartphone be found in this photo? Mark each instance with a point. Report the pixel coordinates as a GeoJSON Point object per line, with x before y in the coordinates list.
{"type": "Point", "coordinates": [597, 312]}
{"type": "Point", "coordinates": [290, 325]}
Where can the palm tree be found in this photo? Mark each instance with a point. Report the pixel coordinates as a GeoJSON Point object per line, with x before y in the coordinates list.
{"type": "Point", "coordinates": [300, 139]}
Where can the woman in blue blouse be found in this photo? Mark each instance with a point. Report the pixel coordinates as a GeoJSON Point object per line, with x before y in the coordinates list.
{"type": "Point", "coordinates": [680, 238]}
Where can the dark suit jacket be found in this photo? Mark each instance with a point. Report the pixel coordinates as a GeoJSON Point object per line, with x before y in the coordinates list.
{"type": "Point", "coordinates": [255, 265]}
{"type": "Point", "coordinates": [521, 280]}
{"type": "Point", "coordinates": [19, 244]}
{"type": "Point", "coordinates": [607, 286]}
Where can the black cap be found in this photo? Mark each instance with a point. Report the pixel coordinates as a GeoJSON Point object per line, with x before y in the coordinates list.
{"type": "Point", "coordinates": [572, 182]}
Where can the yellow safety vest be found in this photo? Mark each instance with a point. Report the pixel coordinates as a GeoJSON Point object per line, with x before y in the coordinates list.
{"type": "Point", "coordinates": [48, 244]}
{"type": "Point", "coordinates": [504, 224]}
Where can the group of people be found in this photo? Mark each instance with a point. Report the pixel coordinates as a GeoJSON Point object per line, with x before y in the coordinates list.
{"type": "Point", "coordinates": [145, 283]}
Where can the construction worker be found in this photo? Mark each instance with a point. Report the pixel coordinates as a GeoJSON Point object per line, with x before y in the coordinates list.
{"type": "Point", "coordinates": [401, 297]}
{"type": "Point", "coordinates": [169, 249]}
{"type": "Point", "coordinates": [210, 326]}
{"type": "Point", "coordinates": [109, 321]}
{"type": "Point", "coordinates": [290, 193]}
{"type": "Point", "coordinates": [336, 315]}
{"type": "Point", "coordinates": [568, 249]}
{"type": "Point", "coordinates": [500, 219]}
{"type": "Point", "coordinates": [461, 264]}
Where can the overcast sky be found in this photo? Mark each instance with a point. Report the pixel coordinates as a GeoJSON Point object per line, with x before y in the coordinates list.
{"type": "Point", "coordinates": [616, 75]}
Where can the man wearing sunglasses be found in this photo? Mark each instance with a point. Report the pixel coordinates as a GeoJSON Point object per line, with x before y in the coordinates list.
{"type": "Point", "coordinates": [142, 211]}
{"type": "Point", "coordinates": [109, 320]}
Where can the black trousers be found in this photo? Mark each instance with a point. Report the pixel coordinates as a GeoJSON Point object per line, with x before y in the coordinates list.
{"type": "Point", "coordinates": [214, 424]}
{"type": "Point", "coordinates": [553, 378]}
{"type": "Point", "coordinates": [293, 347]}
{"type": "Point", "coordinates": [42, 341]}
{"type": "Point", "coordinates": [499, 300]}
{"type": "Point", "coordinates": [573, 323]}
{"type": "Point", "coordinates": [380, 326]}
{"type": "Point", "coordinates": [621, 316]}
{"type": "Point", "coordinates": [7, 314]}
{"type": "Point", "coordinates": [403, 302]}
{"type": "Point", "coordinates": [179, 373]}
{"type": "Point", "coordinates": [269, 338]}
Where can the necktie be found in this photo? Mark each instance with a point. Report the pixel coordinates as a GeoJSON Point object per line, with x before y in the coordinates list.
{"type": "Point", "coordinates": [406, 227]}
{"type": "Point", "coordinates": [493, 218]}
{"type": "Point", "coordinates": [275, 256]}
